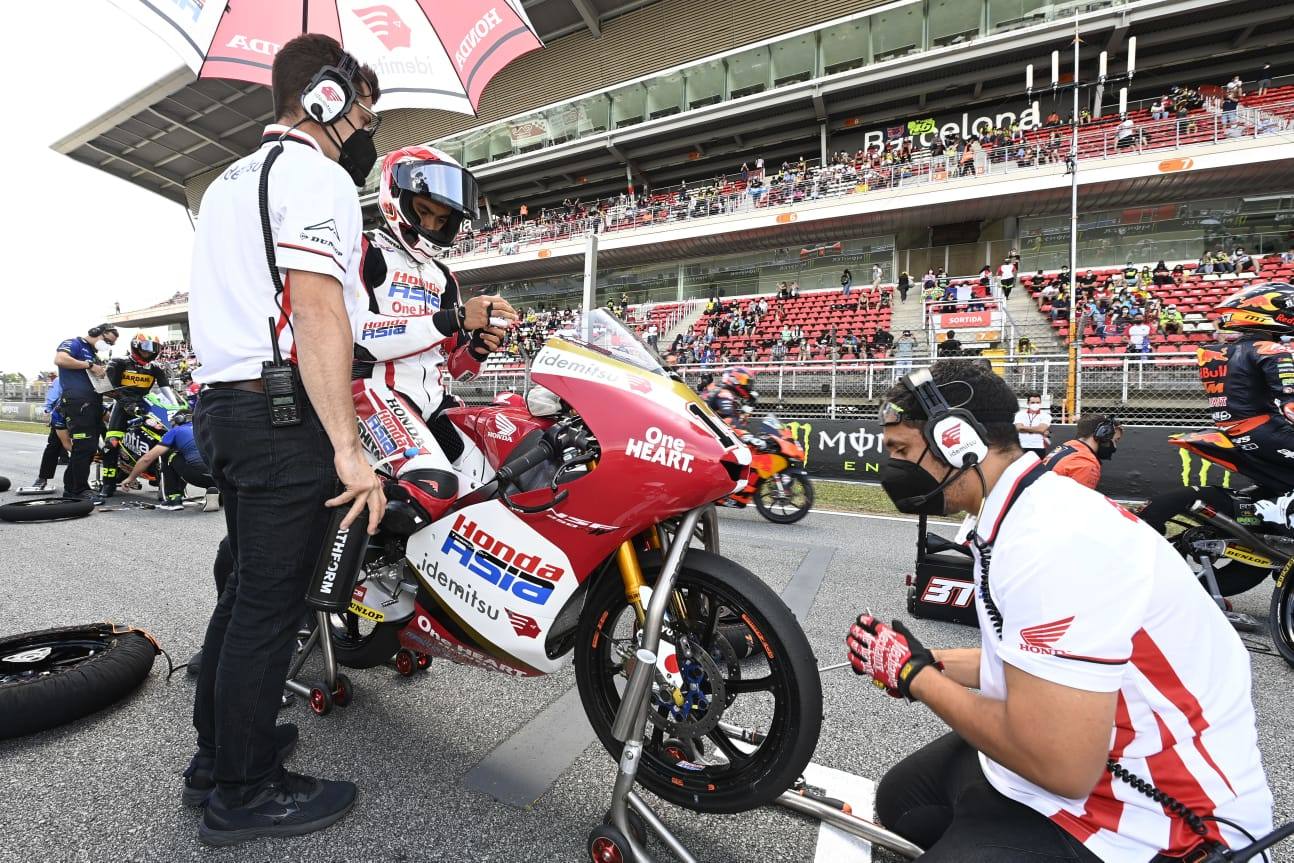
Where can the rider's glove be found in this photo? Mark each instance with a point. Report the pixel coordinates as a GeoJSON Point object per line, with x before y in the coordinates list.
{"type": "Point", "coordinates": [891, 655]}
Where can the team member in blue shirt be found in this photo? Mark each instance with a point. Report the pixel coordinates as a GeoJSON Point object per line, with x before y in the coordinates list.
{"type": "Point", "coordinates": [180, 460]}
{"type": "Point", "coordinates": [81, 404]}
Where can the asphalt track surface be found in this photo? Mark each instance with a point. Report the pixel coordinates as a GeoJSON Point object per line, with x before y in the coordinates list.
{"type": "Point", "coordinates": [107, 787]}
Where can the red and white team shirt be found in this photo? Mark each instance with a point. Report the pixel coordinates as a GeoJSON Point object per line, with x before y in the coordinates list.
{"type": "Point", "coordinates": [1093, 598]}
{"type": "Point", "coordinates": [315, 224]}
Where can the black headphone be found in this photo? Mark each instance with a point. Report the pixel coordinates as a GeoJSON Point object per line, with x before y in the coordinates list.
{"type": "Point", "coordinates": [330, 94]}
{"type": "Point", "coordinates": [1105, 429]}
{"type": "Point", "coordinates": [952, 434]}
{"type": "Point", "coordinates": [96, 331]}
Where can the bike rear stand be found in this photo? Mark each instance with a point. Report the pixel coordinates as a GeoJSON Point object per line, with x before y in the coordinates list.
{"type": "Point", "coordinates": [619, 840]}
{"type": "Point", "coordinates": [335, 689]}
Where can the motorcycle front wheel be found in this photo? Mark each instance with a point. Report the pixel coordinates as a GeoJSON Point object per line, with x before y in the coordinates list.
{"type": "Point", "coordinates": [729, 730]}
{"type": "Point", "coordinates": [784, 498]}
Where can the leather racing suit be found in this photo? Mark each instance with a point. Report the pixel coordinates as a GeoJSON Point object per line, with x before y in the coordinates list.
{"type": "Point", "coordinates": [725, 402]}
{"type": "Point", "coordinates": [1250, 388]}
{"type": "Point", "coordinates": [408, 336]}
{"type": "Point", "coordinates": [133, 381]}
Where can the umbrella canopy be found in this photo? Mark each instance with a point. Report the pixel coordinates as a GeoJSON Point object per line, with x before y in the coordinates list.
{"type": "Point", "coordinates": [427, 53]}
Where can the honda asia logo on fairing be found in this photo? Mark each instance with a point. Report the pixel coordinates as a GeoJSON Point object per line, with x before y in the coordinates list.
{"type": "Point", "coordinates": [525, 576]}
{"type": "Point", "coordinates": [504, 429]}
{"type": "Point", "coordinates": [382, 329]}
{"type": "Point", "coordinates": [526, 627]}
{"type": "Point", "coordinates": [659, 448]}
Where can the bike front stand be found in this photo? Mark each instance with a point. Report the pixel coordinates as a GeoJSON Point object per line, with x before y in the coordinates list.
{"type": "Point", "coordinates": [335, 689]}
{"type": "Point", "coordinates": [622, 838]}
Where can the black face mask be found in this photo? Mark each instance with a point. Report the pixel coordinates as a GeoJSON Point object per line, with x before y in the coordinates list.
{"type": "Point", "coordinates": [1105, 451]}
{"type": "Point", "coordinates": [358, 156]}
{"type": "Point", "coordinates": [905, 481]}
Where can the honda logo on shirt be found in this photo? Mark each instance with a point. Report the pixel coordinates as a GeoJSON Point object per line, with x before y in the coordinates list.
{"type": "Point", "coordinates": [1043, 637]}
{"type": "Point", "coordinates": [386, 25]}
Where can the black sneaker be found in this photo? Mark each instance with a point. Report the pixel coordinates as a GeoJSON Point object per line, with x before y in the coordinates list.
{"type": "Point", "coordinates": [81, 495]}
{"type": "Point", "coordinates": [174, 503]}
{"type": "Point", "coordinates": [198, 782]}
{"type": "Point", "coordinates": [194, 666]}
{"type": "Point", "coordinates": [292, 805]}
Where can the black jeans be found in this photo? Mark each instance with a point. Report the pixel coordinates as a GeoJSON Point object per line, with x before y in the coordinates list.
{"type": "Point", "coordinates": [177, 471]}
{"type": "Point", "coordinates": [274, 482]}
{"type": "Point", "coordinates": [84, 423]}
{"type": "Point", "coordinates": [938, 798]}
{"type": "Point", "coordinates": [49, 458]}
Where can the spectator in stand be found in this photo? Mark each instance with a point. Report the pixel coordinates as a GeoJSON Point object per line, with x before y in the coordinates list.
{"type": "Point", "coordinates": [1235, 88]}
{"type": "Point", "coordinates": [904, 285]}
{"type": "Point", "coordinates": [1034, 425]}
{"type": "Point", "coordinates": [1095, 314]}
{"type": "Point", "coordinates": [1222, 262]}
{"type": "Point", "coordinates": [1162, 276]}
{"type": "Point", "coordinates": [1264, 79]}
{"type": "Point", "coordinates": [877, 275]}
{"type": "Point", "coordinates": [846, 282]}
{"type": "Point", "coordinates": [1158, 111]}
{"type": "Point", "coordinates": [1170, 320]}
{"type": "Point", "coordinates": [1006, 273]}
{"type": "Point", "coordinates": [1024, 348]}
{"type": "Point", "coordinates": [905, 347]}
{"type": "Point", "coordinates": [950, 347]}
{"type": "Point", "coordinates": [942, 279]}
{"type": "Point", "coordinates": [653, 335]}
{"type": "Point", "coordinates": [1126, 133]}
{"type": "Point", "coordinates": [1131, 275]}
{"type": "Point", "coordinates": [1288, 257]}
{"type": "Point", "coordinates": [1049, 291]}
{"type": "Point", "coordinates": [1241, 262]}
{"type": "Point", "coordinates": [1139, 335]}
{"type": "Point", "coordinates": [1230, 104]}
{"type": "Point", "coordinates": [1060, 307]}
{"type": "Point", "coordinates": [779, 352]}
{"type": "Point", "coordinates": [883, 338]}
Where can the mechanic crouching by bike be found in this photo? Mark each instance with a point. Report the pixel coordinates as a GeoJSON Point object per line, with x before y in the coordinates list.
{"type": "Point", "coordinates": [1249, 383]}
{"type": "Point", "coordinates": [417, 323]}
{"type": "Point", "coordinates": [1107, 713]}
{"type": "Point", "coordinates": [132, 377]}
{"type": "Point", "coordinates": [181, 464]}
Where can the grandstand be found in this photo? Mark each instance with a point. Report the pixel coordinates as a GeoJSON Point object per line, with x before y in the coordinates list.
{"type": "Point", "coordinates": [787, 145]}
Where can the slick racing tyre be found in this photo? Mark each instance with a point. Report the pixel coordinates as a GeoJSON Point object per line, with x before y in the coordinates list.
{"type": "Point", "coordinates": [53, 676]}
{"type": "Point", "coordinates": [1170, 514]}
{"type": "Point", "coordinates": [45, 509]}
{"type": "Point", "coordinates": [784, 498]}
{"type": "Point", "coordinates": [1280, 617]}
{"type": "Point", "coordinates": [4, 483]}
{"type": "Point", "coordinates": [360, 643]}
{"type": "Point", "coordinates": [728, 730]}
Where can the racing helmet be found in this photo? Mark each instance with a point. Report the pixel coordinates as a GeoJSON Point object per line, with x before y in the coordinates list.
{"type": "Point", "coordinates": [414, 171]}
{"type": "Point", "coordinates": [144, 348]}
{"type": "Point", "coordinates": [740, 380]}
{"type": "Point", "coordinates": [1265, 308]}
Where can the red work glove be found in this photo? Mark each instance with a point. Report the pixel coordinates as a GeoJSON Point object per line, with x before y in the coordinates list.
{"type": "Point", "coordinates": [890, 655]}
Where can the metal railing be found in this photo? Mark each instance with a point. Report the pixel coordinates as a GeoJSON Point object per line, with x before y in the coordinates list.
{"type": "Point", "coordinates": [1156, 389]}
{"type": "Point", "coordinates": [810, 181]}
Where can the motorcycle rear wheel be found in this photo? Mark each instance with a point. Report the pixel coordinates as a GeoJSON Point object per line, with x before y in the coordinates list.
{"type": "Point", "coordinates": [786, 504]}
{"type": "Point", "coordinates": [1172, 512]}
{"type": "Point", "coordinates": [779, 684]}
{"type": "Point", "coordinates": [1280, 619]}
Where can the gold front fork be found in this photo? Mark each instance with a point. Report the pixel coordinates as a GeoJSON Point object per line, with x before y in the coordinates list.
{"type": "Point", "coordinates": [631, 573]}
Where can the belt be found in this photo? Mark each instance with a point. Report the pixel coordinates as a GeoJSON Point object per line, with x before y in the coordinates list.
{"type": "Point", "coordinates": [255, 385]}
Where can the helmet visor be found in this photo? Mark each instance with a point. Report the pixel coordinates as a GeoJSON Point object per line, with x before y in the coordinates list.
{"type": "Point", "coordinates": [451, 185]}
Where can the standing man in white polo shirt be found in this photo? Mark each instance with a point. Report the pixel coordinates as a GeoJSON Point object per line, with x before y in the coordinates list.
{"type": "Point", "coordinates": [278, 465]}
{"type": "Point", "coordinates": [1104, 675]}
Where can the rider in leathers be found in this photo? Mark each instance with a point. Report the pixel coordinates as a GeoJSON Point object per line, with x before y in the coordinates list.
{"type": "Point", "coordinates": [733, 396]}
{"type": "Point", "coordinates": [133, 377]}
{"type": "Point", "coordinates": [1250, 383]}
{"type": "Point", "coordinates": [418, 325]}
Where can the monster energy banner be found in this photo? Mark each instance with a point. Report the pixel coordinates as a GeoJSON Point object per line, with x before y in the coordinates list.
{"type": "Point", "coordinates": [1145, 465]}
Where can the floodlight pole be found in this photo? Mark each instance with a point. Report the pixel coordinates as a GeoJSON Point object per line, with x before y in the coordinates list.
{"type": "Point", "coordinates": [1071, 390]}
{"type": "Point", "coordinates": [590, 280]}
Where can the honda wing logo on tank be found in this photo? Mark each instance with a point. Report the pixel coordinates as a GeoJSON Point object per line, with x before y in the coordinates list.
{"type": "Point", "coordinates": [504, 429]}
{"type": "Point", "coordinates": [386, 25]}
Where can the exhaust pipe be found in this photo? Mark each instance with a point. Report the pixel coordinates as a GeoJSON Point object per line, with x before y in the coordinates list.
{"type": "Point", "coordinates": [1231, 526]}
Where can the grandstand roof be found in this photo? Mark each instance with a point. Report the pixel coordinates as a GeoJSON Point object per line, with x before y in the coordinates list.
{"type": "Point", "coordinates": [172, 136]}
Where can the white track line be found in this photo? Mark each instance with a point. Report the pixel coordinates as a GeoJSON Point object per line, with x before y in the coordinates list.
{"type": "Point", "coordinates": [906, 518]}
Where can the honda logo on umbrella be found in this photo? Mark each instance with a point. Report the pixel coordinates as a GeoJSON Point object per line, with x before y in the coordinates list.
{"type": "Point", "coordinates": [386, 25]}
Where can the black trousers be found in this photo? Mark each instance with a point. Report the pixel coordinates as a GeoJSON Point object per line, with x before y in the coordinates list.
{"type": "Point", "coordinates": [177, 471]}
{"type": "Point", "coordinates": [84, 423]}
{"type": "Point", "coordinates": [122, 410]}
{"type": "Point", "coordinates": [49, 458]}
{"type": "Point", "coordinates": [274, 482]}
{"type": "Point", "coordinates": [938, 798]}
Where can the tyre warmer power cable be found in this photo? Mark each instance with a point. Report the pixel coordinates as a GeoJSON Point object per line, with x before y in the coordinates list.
{"type": "Point", "coordinates": [1170, 803]}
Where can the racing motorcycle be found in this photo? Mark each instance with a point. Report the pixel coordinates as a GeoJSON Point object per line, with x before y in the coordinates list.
{"type": "Point", "coordinates": [1220, 533]}
{"type": "Point", "coordinates": [143, 432]}
{"type": "Point", "coordinates": [779, 485]}
{"type": "Point", "coordinates": [571, 499]}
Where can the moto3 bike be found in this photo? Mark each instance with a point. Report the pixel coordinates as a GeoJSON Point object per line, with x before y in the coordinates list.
{"type": "Point", "coordinates": [143, 432]}
{"type": "Point", "coordinates": [570, 502]}
{"type": "Point", "coordinates": [1222, 535]}
{"type": "Point", "coordinates": [779, 485]}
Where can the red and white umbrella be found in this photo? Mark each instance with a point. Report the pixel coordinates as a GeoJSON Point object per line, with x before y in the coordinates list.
{"type": "Point", "coordinates": [427, 53]}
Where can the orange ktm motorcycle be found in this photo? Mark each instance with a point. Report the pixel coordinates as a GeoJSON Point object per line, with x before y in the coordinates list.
{"type": "Point", "coordinates": [779, 485]}
{"type": "Point", "coordinates": [1221, 534]}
